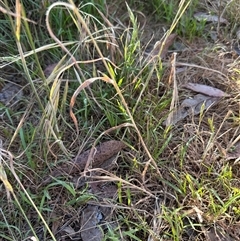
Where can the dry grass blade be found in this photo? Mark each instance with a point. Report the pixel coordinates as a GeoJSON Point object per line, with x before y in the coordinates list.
{"type": "Point", "coordinates": [201, 67]}
{"type": "Point", "coordinates": [84, 85]}
{"type": "Point", "coordinates": [12, 169]}
{"type": "Point", "coordinates": [18, 19]}
{"type": "Point", "coordinates": [79, 21]}
{"type": "Point", "coordinates": [112, 46]}
{"type": "Point", "coordinates": [113, 178]}
{"type": "Point", "coordinates": [3, 176]}
{"type": "Point", "coordinates": [16, 58]}
{"type": "Point", "coordinates": [3, 10]}
{"type": "Point", "coordinates": [72, 7]}
{"type": "Point", "coordinates": [174, 101]}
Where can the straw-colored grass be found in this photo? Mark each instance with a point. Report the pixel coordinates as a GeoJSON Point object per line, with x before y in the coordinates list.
{"type": "Point", "coordinates": [87, 77]}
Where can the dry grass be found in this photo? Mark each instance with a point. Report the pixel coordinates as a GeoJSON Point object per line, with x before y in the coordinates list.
{"type": "Point", "coordinates": [170, 183]}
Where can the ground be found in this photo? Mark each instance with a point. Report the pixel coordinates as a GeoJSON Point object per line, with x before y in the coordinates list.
{"type": "Point", "coordinates": [103, 135]}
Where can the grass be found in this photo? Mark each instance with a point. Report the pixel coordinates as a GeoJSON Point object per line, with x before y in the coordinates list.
{"type": "Point", "coordinates": [188, 26]}
{"type": "Point", "coordinates": [173, 183]}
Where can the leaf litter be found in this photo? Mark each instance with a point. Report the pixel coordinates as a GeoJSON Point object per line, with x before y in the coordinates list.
{"type": "Point", "coordinates": [201, 16]}
{"type": "Point", "coordinates": [93, 215]}
{"type": "Point", "coordinates": [161, 47]}
{"type": "Point", "coordinates": [200, 102]}
{"type": "Point", "coordinates": [90, 218]}
{"type": "Point", "coordinates": [98, 156]}
{"type": "Point", "coordinates": [206, 90]}
{"type": "Point", "coordinates": [102, 153]}
{"type": "Point", "coordinates": [102, 156]}
{"type": "Point", "coordinates": [191, 106]}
